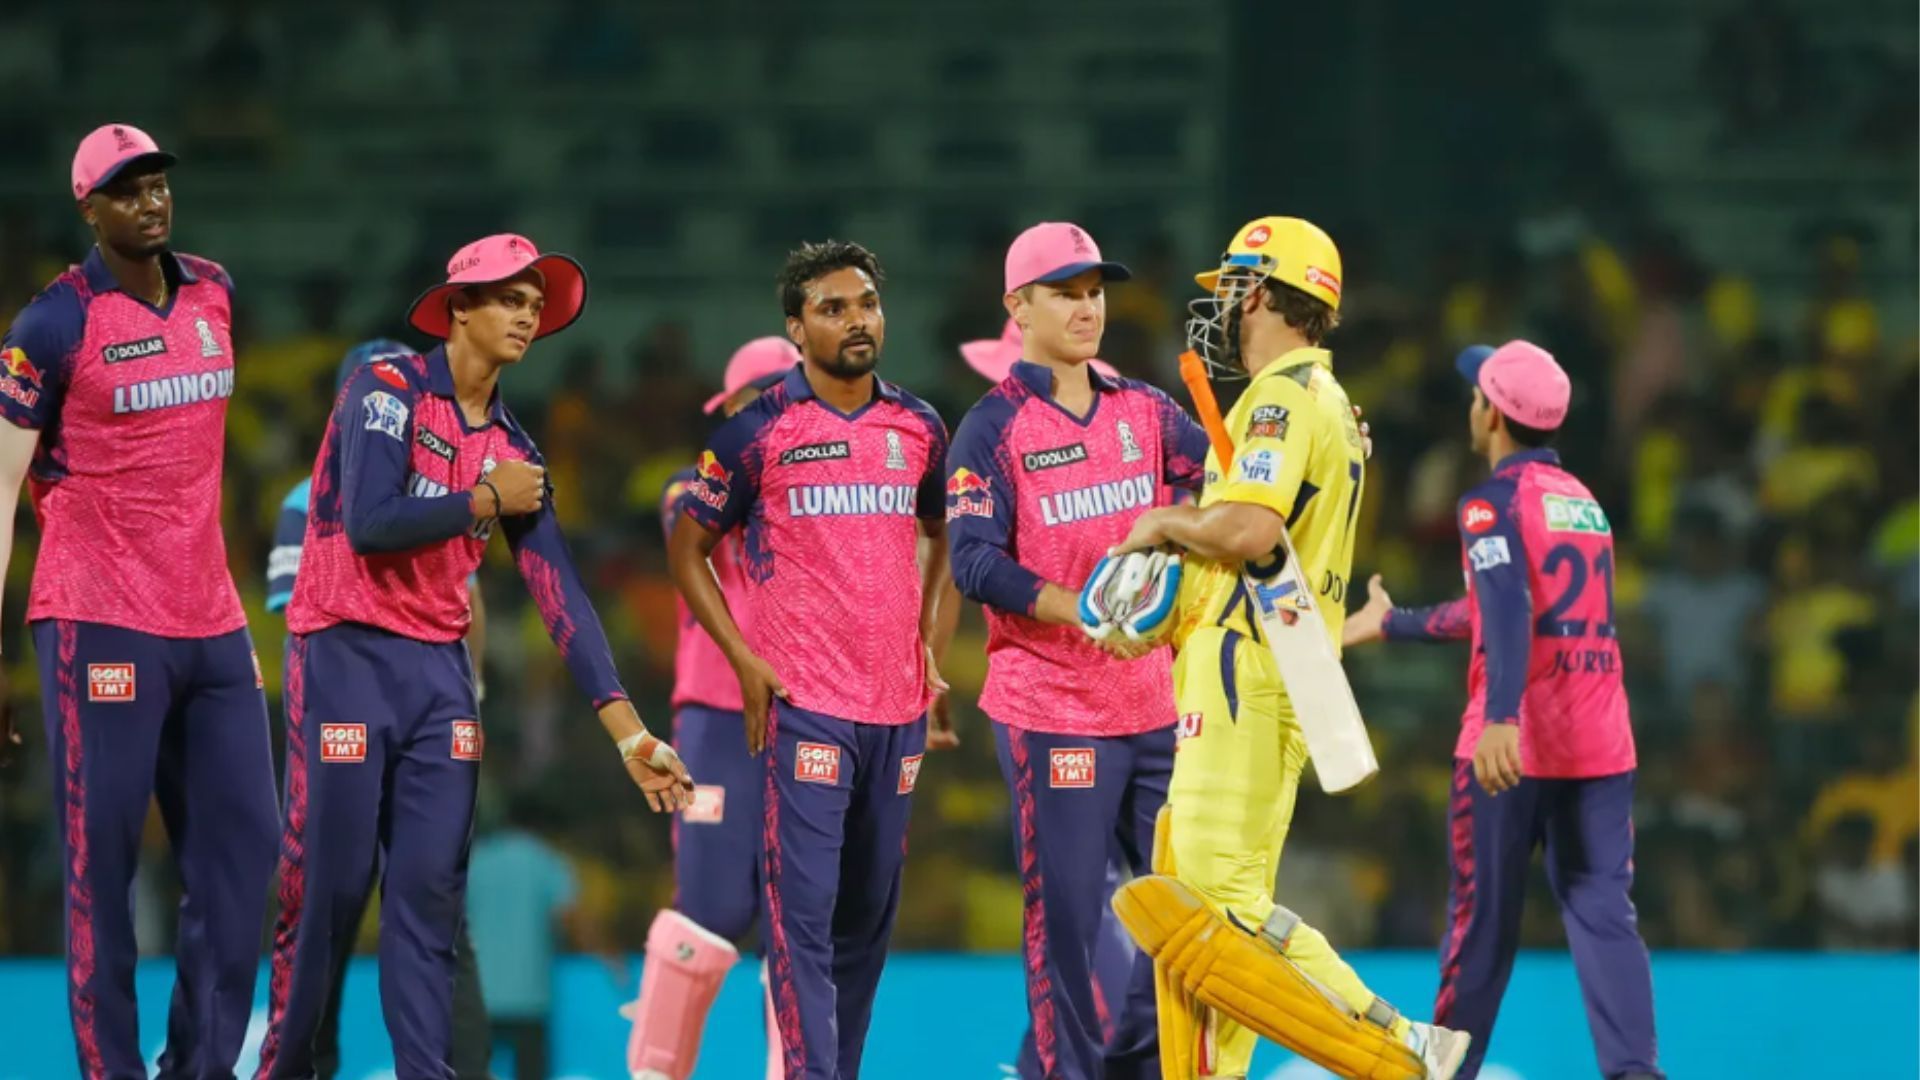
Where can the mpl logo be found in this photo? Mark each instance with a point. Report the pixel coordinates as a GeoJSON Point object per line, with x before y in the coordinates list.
{"type": "Point", "coordinates": [343, 743]}
{"type": "Point", "coordinates": [468, 741]}
{"type": "Point", "coordinates": [816, 763]}
{"type": "Point", "coordinates": [109, 682]}
{"type": "Point", "coordinates": [1071, 767]}
{"type": "Point", "coordinates": [909, 773]}
{"type": "Point", "coordinates": [1187, 727]}
{"type": "Point", "coordinates": [1477, 516]}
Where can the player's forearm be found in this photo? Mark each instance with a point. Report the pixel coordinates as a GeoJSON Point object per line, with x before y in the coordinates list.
{"type": "Point", "coordinates": [1225, 532]}
{"type": "Point", "coordinates": [540, 552]}
{"type": "Point", "coordinates": [1451, 621]}
{"type": "Point", "coordinates": [17, 446]}
{"type": "Point", "coordinates": [403, 522]}
{"type": "Point", "coordinates": [688, 548]}
{"type": "Point", "coordinates": [986, 574]}
{"type": "Point", "coordinates": [936, 582]}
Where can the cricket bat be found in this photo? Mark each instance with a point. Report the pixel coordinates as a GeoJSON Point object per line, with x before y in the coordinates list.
{"type": "Point", "coordinates": [1290, 620]}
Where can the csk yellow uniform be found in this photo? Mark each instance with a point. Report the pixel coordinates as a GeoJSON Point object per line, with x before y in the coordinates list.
{"type": "Point", "coordinates": [1298, 452]}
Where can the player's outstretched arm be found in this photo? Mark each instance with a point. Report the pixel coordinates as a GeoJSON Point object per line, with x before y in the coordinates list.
{"type": "Point", "coordinates": [689, 546]}
{"type": "Point", "coordinates": [540, 552]}
{"type": "Point", "coordinates": [1225, 531]}
{"type": "Point", "coordinates": [17, 445]}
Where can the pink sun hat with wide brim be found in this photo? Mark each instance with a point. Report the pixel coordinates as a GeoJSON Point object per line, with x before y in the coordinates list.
{"type": "Point", "coordinates": [750, 363]}
{"type": "Point", "coordinates": [497, 258]}
{"type": "Point", "coordinates": [994, 359]}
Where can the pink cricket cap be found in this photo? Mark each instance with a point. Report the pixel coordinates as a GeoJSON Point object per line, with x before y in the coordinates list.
{"type": "Point", "coordinates": [497, 258]}
{"type": "Point", "coordinates": [758, 359]}
{"type": "Point", "coordinates": [110, 148]}
{"type": "Point", "coordinates": [1055, 251]}
{"type": "Point", "coordinates": [994, 359]}
{"type": "Point", "coordinates": [1520, 379]}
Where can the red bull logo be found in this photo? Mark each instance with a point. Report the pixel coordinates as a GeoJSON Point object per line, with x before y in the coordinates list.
{"type": "Point", "coordinates": [710, 480]}
{"type": "Point", "coordinates": [968, 494]}
{"type": "Point", "coordinates": [20, 367]}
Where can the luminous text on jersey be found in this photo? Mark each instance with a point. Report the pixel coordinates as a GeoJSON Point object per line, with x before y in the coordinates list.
{"type": "Point", "coordinates": [847, 500]}
{"type": "Point", "coordinates": [1097, 500]}
{"type": "Point", "coordinates": [172, 391]}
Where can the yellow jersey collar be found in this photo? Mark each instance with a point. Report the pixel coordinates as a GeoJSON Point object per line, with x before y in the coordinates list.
{"type": "Point", "coordinates": [1293, 358]}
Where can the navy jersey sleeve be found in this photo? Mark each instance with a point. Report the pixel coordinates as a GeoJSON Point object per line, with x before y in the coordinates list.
{"type": "Point", "coordinates": [36, 356]}
{"type": "Point", "coordinates": [671, 498]}
{"type": "Point", "coordinates": [210, 271]}
{"type": "Point", "coordinates": [374, 419]}
{"type": "Point", "coordinates": [930, 501]}
{"type": "Point", "coordinates": [289, 536]}
{"type": "Point", "coordinates": [726, 479]}
{"type": "Point", "coordinates": [546, 565]}
{"type": "Point", "coordinates": [1498, 562]}
{"type": "Point", "coordinates": [1451, 621]}
{"type": "Point", "coordinates": [980, 513]}
{"type": "Point", "coordinates": [1183, 442]}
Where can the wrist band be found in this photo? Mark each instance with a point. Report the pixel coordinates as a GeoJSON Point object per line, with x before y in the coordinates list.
{"type": "Point", "coordinates": [497, 503]}
{"type": "Point", "coordinates": [631, 743]}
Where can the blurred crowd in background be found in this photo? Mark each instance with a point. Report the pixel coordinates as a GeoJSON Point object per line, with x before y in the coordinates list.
{"type": "Point", "coordinates": [1753, 438]}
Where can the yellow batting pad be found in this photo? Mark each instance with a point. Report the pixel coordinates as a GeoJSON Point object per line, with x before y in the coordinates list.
{"type": "Point", "coordinates": [1250, 981]}
{"type": "Point", "coordinates": [1163, 842]}
{"type": "Point", "coordinates": [1179, 1026]}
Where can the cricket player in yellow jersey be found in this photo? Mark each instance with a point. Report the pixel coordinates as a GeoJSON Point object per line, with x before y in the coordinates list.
{"type": "Point", "coordinates": [1234, 964]}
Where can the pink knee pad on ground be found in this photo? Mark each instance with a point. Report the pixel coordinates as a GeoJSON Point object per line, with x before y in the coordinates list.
{"type": "Point", "coordinates": [685, 965]}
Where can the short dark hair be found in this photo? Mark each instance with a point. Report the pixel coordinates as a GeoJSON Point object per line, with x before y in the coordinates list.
{"type": "Point", "coordinates": [809, 262]}
{"type": "Point", "coordinates": [1532, 438]}
{"type": "Point", "coordinates": [1310, 315]}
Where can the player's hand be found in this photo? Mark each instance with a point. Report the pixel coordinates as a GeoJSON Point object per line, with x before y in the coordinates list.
{"type": "Point", "coordinates": [9, 735]}
{"type": "Point", "coordinates": [1366, 436]}
{"type": "Point", "coordinates": [522, 486]}
{"type": "Point", "coordinates": [758, 687]}
{"type": "Point", "coordinates": [941, 734]}
{"type": "Point", "coordinates": [1122, 647]}
{"type": "Point", "coordinates": [1146, 534]}
{"type": "Point", "coordinates": [1496, 757]}
{"type": "Point", "coordinates": [1369, 624]}
{"type": "Point", "coordinates": [657, 770]}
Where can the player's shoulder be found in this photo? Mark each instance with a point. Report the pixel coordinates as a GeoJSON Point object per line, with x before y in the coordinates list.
{"type": "Point", "coordinates": [742, 428]}
{"type": "Point", "coordinates": [298, 498]}
{"type": "Point", "coordinates": [676, 485]}
{"type": "Point", "coordinates": [58, 309]}
{"type": "Point", "coordinates": [915, 405]}
{"type": "Point", "coordinates": [1141, 389]}
{"type": "Point", "coordinates": [996, 409]}
{"type": "Point", "coordinates": [403, 373]}
{"type": "Point", "coordinates": [1487, 504]}
{"type": "Point", "coordinates": [205, 269]}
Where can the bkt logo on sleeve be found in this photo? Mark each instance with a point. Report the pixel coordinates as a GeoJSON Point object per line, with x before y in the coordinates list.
{"type": "Point", "coordinates": [816, 763]}
{"type": "Point", "coordinates": [968, 494]}
{"type": "Point", "coordinates": [710, 480]}
{"type": "Point", "coordinates": [110, 682]}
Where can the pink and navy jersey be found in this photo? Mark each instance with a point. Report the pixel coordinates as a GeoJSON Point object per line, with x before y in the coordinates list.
{"type": "Point", "coordinates": [131, 405]}
{"type": "Point", "coordinates": [701, 673]}
{"type": "Point", "coordinates": [832, 504]}
{"type": "Point", "coordinates": [1036, 495]}
{"type": "Point", "coordinates": [1537, 551]}
{"type": "Point", "coordinates": [391, 541]}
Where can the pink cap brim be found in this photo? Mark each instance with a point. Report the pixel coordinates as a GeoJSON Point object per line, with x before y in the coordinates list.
{"type": "Point", "coordinates": [713, 403]}
{"type": "Point", "coordinates": [566, 295]}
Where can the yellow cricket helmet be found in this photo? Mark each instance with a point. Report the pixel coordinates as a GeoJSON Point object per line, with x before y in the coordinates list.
{"type": "Point", "coordinates": [1293, 251]}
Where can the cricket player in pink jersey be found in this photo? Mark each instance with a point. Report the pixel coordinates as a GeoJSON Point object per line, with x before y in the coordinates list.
{"type": "Point", "coordinates": [836, 476]}
{"type": "Point", "coordinates": [420, 461]}
{"type": "Point", "coordinates": [1546, 744]}
{"type": "Point", "coordinates": [114, 384]}
{"type": "Point", "coordinates": [1047, 473]}
{"type": "Point", "coordinates": [717, 841]}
